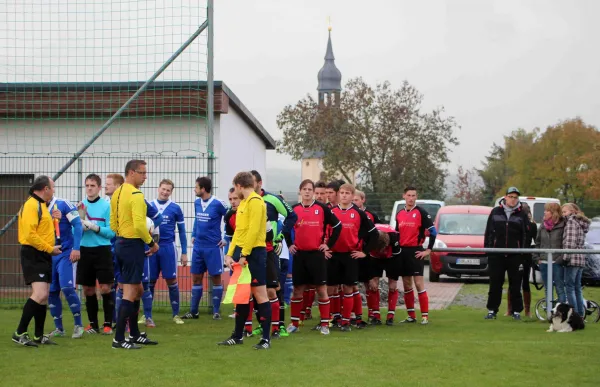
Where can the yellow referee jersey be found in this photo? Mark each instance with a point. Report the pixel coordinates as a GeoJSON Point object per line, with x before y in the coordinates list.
{"type": "Point", "coordinates": [128, 213]}
{"type": "Point", "coordinates": [36, 228]}
{"type": "Point", "coordinates": [250, 225]}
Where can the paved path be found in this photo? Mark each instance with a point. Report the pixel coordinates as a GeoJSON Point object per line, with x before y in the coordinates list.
{"type": "Point", "coordinates": [441, 294]}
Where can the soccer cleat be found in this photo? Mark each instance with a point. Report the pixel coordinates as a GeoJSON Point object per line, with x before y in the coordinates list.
{"type": "Point", "coordinates": [353, 322]}
{"type": "Point", "coordinates": [275, 334]}
{"type": "Point", "coordinates": [262, 344]}
{"type": "Point", "coordinates": [409, 320]}
{"type": "Point", "coordinates": [216, 316]}
{"type": "Point", "coordinates": [142, 319]}
{"type": "Point", "coordinates": [90, 330]}
{"type": "Point", "coordinates": [292, 329]}
{"type": "Point", "coordinates": [142, 339]}
{"type": "Point", "coordinates": [375, 321]}
{"type": "Point", "coordinates": [317, 327]}
{"type": "Point", "coordinates": [389, 322]}
{"type": "Point", "coordinates": [77, 332]}
{"type": "Point", "coordinates": [23, 339]}
{"type": "Point", "coordinates": [346, 328]}
{"type": "Point", "coordinates": [57, 333]}
{"type": "Point", "coordinates": [283, 332]}
{"type": "Point", "coordinates": [107, 330]}
{"type": "Point", "coordinates": [248, 333]}
{"type": "Point", "coordinates": [361, 325]}
{"type": "Point", "coordinates": [308, 316]}
{"type": "Point", "coordinates": [44, 340]}
{"type": "Point", "coordinates": [124, 345]}
{"type": "Point", "coordinates": [257, 331]}
{"type": "Point", "coordinates": [231, 315]}
{"type": "Point", "coordinates": [490, 316]}
{"type": "Point", "coordinates": [516, 316]}
{"type": "Point", "coordinates": [190, 316]}
{"type": "Point", "coordinates": [425, 321]}
{"type": "Point", "coordinates": [150, 323]}
{"type": "Point", "coordinates": [231, 341]}
{"type": "Point", "coordinates": [336, 322]}
{"type": "Point", "coordinates": [324, 330]}
{"type": "Point", "coordinates": [177, 320]}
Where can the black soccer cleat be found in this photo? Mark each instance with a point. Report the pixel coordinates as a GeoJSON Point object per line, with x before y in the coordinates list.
{"type": "Point", "coordinates": [490, 316]}
{"type": "Point", "coordinates": [190, 316]}
{"type": "Point", "coordinates": [375, 321]}
{"type": "Point", "coordinates": [409, 320]}
{"type": "Point", "coordinates": [124, 345]}
{"type": "Point", "coordinates": [43, 340]}
{"type": "Point", "coordinates": [346, 328]}
{"type": "Point", "coordinates": [231, 342]}
{"type": "Point", "coordinates": [142, 339]}
{"type": "Point", "coordinates": [262, 344]}
{"type": "Point", "coordinates": [389, 322]}
{"type": "Point", "coordinates": [361, 325]}
{"type": "Point", "coordinates": [24, 340]}
{"type": "Point", "coordinates": [275, 335]}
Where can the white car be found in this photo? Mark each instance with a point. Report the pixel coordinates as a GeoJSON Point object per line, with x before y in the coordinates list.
{"type": "Point", "coordinates": [536, 204]}
{"type": "Point", "coordinates": [431, 206]}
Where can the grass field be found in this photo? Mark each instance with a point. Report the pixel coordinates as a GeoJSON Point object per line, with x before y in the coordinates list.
{"type": "Point", "coordinates": [458, 348]}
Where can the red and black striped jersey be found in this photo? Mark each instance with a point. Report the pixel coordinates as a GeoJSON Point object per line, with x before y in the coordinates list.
{"type": "Point", "coordinates": [412, 226]}
{"type": "Point", "coordinates": [356, 227]}
{"type": "Point", "coordinates": [313, 222]}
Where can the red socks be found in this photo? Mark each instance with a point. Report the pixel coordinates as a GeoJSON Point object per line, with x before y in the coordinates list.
{"type": "Point", "coordinates": [357, 308]}
{"type": "Point", "coordinates": [348, 307]}
{"type": "Point", "coordinates": [409, 301]}
{"type": "Point", "coordinates": [335, 305]}
{"type": "Point", "coordinates": [309, 300]}
{"type": "Point", "coordinates": [424, 303]}
{"type": "Point", "coordinates": [324, 311]}
{"type": "Point", "coordinates": [274, 314]}
{"type": "Point", "coordinates": [370, 302]}
{"type": "Point", "coordinates": [296, 309]}
{"type": "Point", "coordinates": [392, 301]}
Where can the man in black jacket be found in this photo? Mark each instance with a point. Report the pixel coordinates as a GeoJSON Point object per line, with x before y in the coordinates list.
{"type": "Point", "coordinates": [506, 228]}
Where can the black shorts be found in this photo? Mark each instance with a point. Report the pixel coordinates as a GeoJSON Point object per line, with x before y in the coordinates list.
{"type": "Point", "coordinates": [392, 267]}
{"type": "Point", "coordinates": [95, 264]}
{"type": "Point", "coordinates": [411, 266]}
{"type": "Point", "coordinates": [257, 263]}
{"type": "Point", "coordinates": [131, 257]}
{"type": "Point", "coordinates": [36, 265]}
{"type": "Point", "coordinates": [272, 270]}
{"type": "Point", "coordinates": [364, 269]}
{"type": "Point", "coordinates": [342, 269]}
{"type": "Point", "coordinates": [309, 268]}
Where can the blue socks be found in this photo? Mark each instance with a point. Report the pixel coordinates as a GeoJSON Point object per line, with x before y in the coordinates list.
{"type": "Point", "coordinates": [174, 298]}
{"type": "Point", "coordinates": [147, 300]}
{"type": "Point", "coordinates": [55, 305]}
{"type": "Point", "coordinates": [118, 300]}
{"type": "Point", "coordinates": [151, 286]}
{"type": "Point", "coordinates": [196, 297]}
{"type": "Point", "coordinates": [288, 290]}
{"type": "Point", "coordinates": [113, 293]}
{"type": "Point", "coordinates": [74, 304]}
{"type": "Point", "coordinates": [217, 293]}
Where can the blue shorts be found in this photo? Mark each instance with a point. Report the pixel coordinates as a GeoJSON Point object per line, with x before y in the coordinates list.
{"type": "Point", "coordinates": [257, 263]}
{"type": "Point", "coordinates": [165, 261]}
{"type": "Point", "coordinates": [116, 268]}
{"type": "Point", "coordinates": [131, 257]}
{"type": "Point", "coordinates": [207, 259]}
{"type": "Point", "coordinates": [63, 271]}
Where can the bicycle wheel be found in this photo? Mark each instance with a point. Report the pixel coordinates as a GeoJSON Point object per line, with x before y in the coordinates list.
{"type": "Point", "coordinates": [540, 310]}
{"type": "Point", "coordinates": [592, 311]}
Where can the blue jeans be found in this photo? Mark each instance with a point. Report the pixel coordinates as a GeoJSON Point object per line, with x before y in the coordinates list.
{"type": "Point", "coordinates": [558, 275]}
{"type": "Point", "coordinates": [573, 285]}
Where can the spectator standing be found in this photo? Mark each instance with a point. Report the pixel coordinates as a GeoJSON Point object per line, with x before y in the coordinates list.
{"type": "Point", "coordinates": [550, 236]}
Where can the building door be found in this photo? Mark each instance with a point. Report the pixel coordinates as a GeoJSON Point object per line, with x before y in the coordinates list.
{"type": "Point", "coordinates": [13, 193]}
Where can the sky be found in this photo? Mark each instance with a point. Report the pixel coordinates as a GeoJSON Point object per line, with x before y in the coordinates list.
{"type": "Point", "coordinates": [494, 65]}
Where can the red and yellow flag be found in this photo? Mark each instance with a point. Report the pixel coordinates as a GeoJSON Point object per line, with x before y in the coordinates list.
{"type": "Point", "coordinates": [238, 290]}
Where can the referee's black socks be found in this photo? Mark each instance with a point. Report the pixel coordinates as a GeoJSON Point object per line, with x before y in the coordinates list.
{"type": "Point", "coordinates": [124, 313]}
{"type": "Point", "coordinates": [241, 315]}
{"type": "Point", "coordinates": [40, 319]}
{"type": "Point", "coordinates": [29, 311]}
{"type": "Point", "coordinates": [91, 306]}
{"type": "Point", "coordinates": [108, 305]}
{"type": "Point", "coordinates": [264, 311]}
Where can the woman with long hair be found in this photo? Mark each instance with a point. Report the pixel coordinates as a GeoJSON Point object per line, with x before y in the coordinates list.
{"type": "Point", "coordinates": [550, 236]}
{"type": "Point", "coordinates": [574, 238]}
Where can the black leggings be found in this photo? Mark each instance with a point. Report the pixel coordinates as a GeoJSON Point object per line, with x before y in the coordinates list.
{"type": "Point", "coordinates": [527, 264]}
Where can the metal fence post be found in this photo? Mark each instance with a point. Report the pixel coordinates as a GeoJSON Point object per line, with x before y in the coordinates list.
{"type": "Point", "coordinates": [549, 288]}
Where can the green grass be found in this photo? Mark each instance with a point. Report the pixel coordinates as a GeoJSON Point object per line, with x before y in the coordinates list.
{"type": "Point", "coordinates": [458, 348]}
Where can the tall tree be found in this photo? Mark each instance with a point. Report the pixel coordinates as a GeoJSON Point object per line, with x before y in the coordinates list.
{"type": "Point", "coordinates": [467, 189]}
{"type": "Point", "coordinates": [493, 174]}
{"type": "Point", "coordinates": [379, 132]}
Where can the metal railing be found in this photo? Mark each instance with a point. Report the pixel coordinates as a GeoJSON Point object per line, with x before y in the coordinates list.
{"type": "Point", "coordinates": [549, 252]}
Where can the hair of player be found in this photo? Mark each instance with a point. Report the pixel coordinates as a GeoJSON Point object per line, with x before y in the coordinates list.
{"type": "Point", "coordinates": [94, 177]}
{"type": "Point", "coordinates": [341, 182]}
{"type": "Point", "coordinates": [39, 184]}
{"type": "Point", "coordinates": [244, 180]}
{"type": "Point", "coordinates": [320, 184]}
{"type": "Point", "coordinates": [256, 175]}
{"type": "Point", "coordinates": [348, 187]}
{"type": "Point", "coordinates": [410, 188]}
{"type": "Point", "coordinates": [117, 178]}
{"type": "Point", "coordinates": [133, 165]}
{"type": "Point", "coordinates": [359, 193]}
{"type": "Point", "coordinates": [383, 241]}
{"type": "Point", "coordinates": [167, 182]}
{"type": "Point", "coordinates": [231, 190]}
{"type": "Point", "coordinates": [306, 182]}
{"type": "Point", "coordinates": [204, 182]}
{"type": "Point", "coordinates": [334, 185]}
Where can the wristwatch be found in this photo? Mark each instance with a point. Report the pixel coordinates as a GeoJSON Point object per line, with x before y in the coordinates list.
{"type": "Point", "coordinates": [151, 244]}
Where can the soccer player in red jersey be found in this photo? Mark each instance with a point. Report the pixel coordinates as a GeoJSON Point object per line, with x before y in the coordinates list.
{"type": "Point", "coordinates": [411, 223]}
{"type": "Point", "coordinates": [311, 253]}
{"type": "Point", "coordinates": [358, 233]}
{"type": "Point", "coordinates": [331, 193]}
{"type": "Point", "coordinates": [321, 192]}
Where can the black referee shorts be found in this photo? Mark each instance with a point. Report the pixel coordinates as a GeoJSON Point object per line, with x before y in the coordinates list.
{"type": "Point", "coordinates": [131, 256]}
{"type": "Point", "coordinates": [309, 268]}
{"type": "Point", "coordinates": [96, 263]}
{"type": "Point", "coordinates": [342, 269]}
{"type": "Point", "coordinates": [411, 266]}
{"type": "Point", "coordinates": [36, 265]}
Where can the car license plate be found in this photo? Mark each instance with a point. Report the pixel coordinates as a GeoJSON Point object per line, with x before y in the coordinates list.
{"type": "Point", "coordinates": [467, 261]}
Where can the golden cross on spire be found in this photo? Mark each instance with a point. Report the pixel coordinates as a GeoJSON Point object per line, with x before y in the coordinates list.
{"type": "Point", "coordinates": [329, 23]}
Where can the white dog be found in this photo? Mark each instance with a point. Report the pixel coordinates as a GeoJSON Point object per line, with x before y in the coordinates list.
{"type": "Point", "coordinates": [565, 319]}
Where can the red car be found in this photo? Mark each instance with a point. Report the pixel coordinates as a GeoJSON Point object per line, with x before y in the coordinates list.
{"type": "Point", "coordinates": [459, 226]}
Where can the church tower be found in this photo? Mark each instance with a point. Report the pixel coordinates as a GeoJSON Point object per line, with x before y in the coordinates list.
{"type": "Point", "coordinates": [330, 79]}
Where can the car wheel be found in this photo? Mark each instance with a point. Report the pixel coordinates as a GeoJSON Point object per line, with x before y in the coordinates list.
{"type": "Point", "coordinates": [433, 276]}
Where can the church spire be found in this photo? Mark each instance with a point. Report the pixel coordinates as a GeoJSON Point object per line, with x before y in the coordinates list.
{"type": "Point", "coordinates": [330, 78]}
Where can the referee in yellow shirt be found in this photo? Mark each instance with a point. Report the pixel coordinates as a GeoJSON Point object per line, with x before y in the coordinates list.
{"type": "Point", "coordinates": [248, 246]}
{"type": "Point", "coordinates": [128, 221]}
{"type": "Point", "coordinates": [37, 239]}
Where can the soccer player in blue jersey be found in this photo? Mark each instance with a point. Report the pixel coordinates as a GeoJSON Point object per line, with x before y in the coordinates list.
{"type": "Point", "coordinates": [96, 258]}
{"type": "Point", "coordinates": [165, 260]}
{"type": "Point", "coordinates": [207, 241]}
{"type": "Point", "coordinates": [64, 266]}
